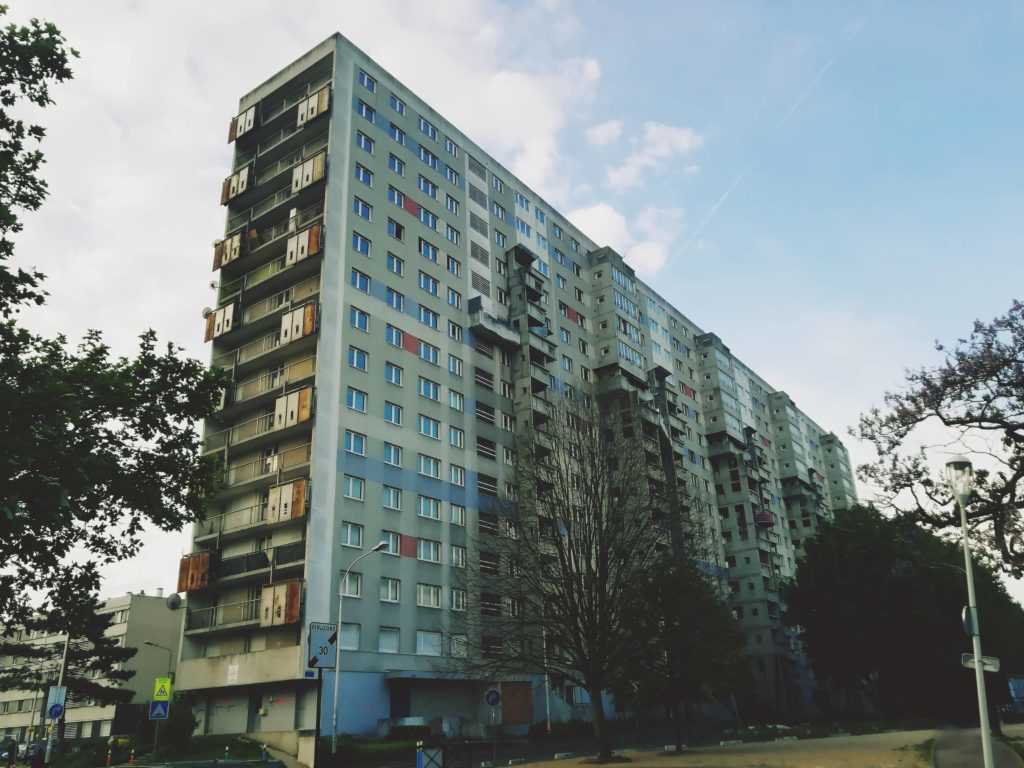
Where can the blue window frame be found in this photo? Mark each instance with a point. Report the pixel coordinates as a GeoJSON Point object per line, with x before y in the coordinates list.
{"type": "Point", "coordinates": [364, 142]}
{"type": "Point", "coordinates": [364, 175]}
{"type": "Point", "coordinates": [360, 244]}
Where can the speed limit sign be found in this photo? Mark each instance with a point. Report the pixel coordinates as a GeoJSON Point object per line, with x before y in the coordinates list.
{"type": "Point", "coordinates": [323, 640]}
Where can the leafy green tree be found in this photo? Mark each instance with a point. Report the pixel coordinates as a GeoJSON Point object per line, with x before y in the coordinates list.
{"type": "Point", "coordinates": [973, 403]}
{"type": "Point", "coordinates": [95, 447]}
{"type": "Point", "coordinates": [687, 646]}
{"type": "Point", "coordinates": [878, 601]}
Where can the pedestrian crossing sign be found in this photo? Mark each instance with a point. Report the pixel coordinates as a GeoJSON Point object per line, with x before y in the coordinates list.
{"type": "Point", "coordinates": [162, 689]}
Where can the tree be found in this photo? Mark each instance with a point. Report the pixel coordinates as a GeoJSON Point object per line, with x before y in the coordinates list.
{"type": "Point", "coordinates": [973, 402]}
{"type": "Point", "coordinates": [554, 568]}
{"type": "Point", "coordinates": [687, 645]}
{"type": "Point", "coordinates": [95, 447]}
{"type": "Point", "coordinates": [878, 603]}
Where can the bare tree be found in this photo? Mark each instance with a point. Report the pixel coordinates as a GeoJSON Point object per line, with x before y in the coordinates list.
{"type": "Point", "coordinates": [554, 567]}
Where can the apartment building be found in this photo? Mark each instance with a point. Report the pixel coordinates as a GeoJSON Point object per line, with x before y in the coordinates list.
{"type": "Point", "coordinates": [392, 303]}
{"type": "Point", "coordinates": [135, 619]}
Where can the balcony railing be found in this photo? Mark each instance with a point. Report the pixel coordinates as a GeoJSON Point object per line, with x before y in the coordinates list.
{"type": "Point", "coordinates": [250, 562]}
{"type": "Point", "coordinates": [306, 151]}
{"type": "Point", "coordinates": [275, 379]}
{"type": "Point", "coordinates": [268, 466]}
{"type": "Point", "coordinates": [293, 99]}
{"type": "Point", "coordinates": [234, 520]}
{"type": "Point", "coordinates": [239, 433]}
{"type": "Point", "coordinates": [285, 298]}
{"type": "Point", "coordinates": [223, 615]}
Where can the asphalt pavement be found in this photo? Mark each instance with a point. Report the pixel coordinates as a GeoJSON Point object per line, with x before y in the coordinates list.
{"type": "Point", "coordinates": [961, 748]}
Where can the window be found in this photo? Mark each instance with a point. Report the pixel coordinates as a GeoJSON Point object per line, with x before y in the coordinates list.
{"type": "Point", "coordinates": [396, 164]}
{"type": "Point", "coordinates": [360, 244]}
{"type": "Point", "coordinates": [499, 239]}
{"type": "Point", "coordinates": [351, 535]}
{"type": "Point", "coordinates": [357, 358]}
{"type": "Point", "coordinates": [367, 82]}
{"type": "Point", "coordinates": [428, 251]}
{"type": "Point", "coordinates": [429, 389]}
{"type": "Point", "coordinates": [393, 541]}
{"type": "Point", "coordinates": [393, 413]}
{"type": "Point", "coordinates": [456, 437]}
{"type": "Point", "coordinates": [452, 234]}
{"type": "Point", "coordinates": [455, 401]}
{"type": "Point", "coordinates": [498, 210]}
{"type": "Point", "coordinates": [393, 496]}
{"type": "Point", "coordinates": [359, 319]}
{"type": "Point", "coordinates": [429, 466]}
{"type": "Point", "coordinates": [428, 643]}
{"type": "Point", "coordinates": [360, 281]}
{"type": "Point", "coordinates": [454, 332]}
{"type": "Point", "coordinates": [429, 427]}
{"type": "Point", "coordinates": [349, 640]}
{"type": "Point", "coordinates": [523, 228]}
{"type": "Point", "coordinates": [459, 646]}
{"type": "Point", "coordinates": [393, 374]}
{"type": "Point", "coordinates": [454, 363]}
{"type": "Point", "coordinates": [458, 600]}
{"type": "Point", "coordinates": [497, 184]}
{"type": "Point", "coordinates": [355, 488]}
{"type": "Point", "coordinates": [428, 507]}
{"type": "Point", "coordinates": [451, 147]}
{"type": "Point", "coordinates": [458, 514]}
{"type": "Point", "coordinates": [396, 196]}
{"type": "Point", "coordinates": [429, 317]}
{"type": "Point", "coordinates": [457, 475]}
{"type": "Point", "coordinates": [539, 214]}
{"type": "Point", "coordinates": [355, 399]}
{"type": "Point", "coordinates": [364, 142]}
{"type": "Point", "coordinates": [365, 110]}
{"type": "Point", "coordinates": [391, 589]}
{"type": "Point", "coordinates": [387, 640]}
{"type": "Point", "coordinates": [452, 175]}
{"type": "Point", "coordinates": [396, 229]}
{"type": "Point", "coordinates": [362, 209]}
{"type": "Point", "coordinates": [396, 133]}
{"type": "Point", "coordinates": [426, 186]}
{"type": "Point", "coordinates": [396, 264]}
{"type": "Point", "coordinates": [427, 129]}
{"type": "Point", "coordinates": [394, 299]}
{"type": "Point", "coordinates": [397, 104]}
{"type": "Point", "coordinates": [454, 265]}
{"type": "Point", "coordinates": [429, 352]}
{"type": "Point", "coordinates": [556, 230]}
{"type": "Point", "coordinates": [454, 298]}
{"type": "Point", "coordinates": [353, 585]}
{"type": "Point", "coordinates": [451, 204]}
{"type": "Point", "coordinates": [428, 283]}
{"type": "Point", "coordinates": [428, 219]}
{"type": "Point", "coordinates": [428, 157]}
{"type": "Point", "coordinates": [364, 175]}
{"type": "Point", "coordinates": [393, 336]}
{"type": "Point", "coordinates": [566, 363]}
{"type": "Point", "coordinates": [355, 442]}
{"type": "Point", "coordinates": [393, 454]}
{"type": "Point", "coordinates": [428, 550]}
{"type": "Point", "coordinates": [508, 422]}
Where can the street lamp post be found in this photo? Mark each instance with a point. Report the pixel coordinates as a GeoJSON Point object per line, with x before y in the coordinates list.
{"type": "Point", "coordinates": [156, 724]}
{"type": "Point", "coordinates": [337, 646]}
{"type": "Point", "coordinates": [960, 477]}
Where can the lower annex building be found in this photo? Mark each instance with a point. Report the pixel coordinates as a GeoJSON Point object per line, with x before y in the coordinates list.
{"type": "Point", "coordinates": [392, 302]}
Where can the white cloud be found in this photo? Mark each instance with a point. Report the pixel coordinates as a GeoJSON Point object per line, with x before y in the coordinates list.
{"type": "Point", "coordinates": [658, 144]}
{"type": "Point", "coordinates": [604, 133]}
{"type": "Point", "coordinates": [136, 154]}
{"type": "Point", "coordinates": [646, 245]}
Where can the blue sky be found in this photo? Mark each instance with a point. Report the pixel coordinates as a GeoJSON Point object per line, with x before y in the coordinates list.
{"type": "Point", "coordinates": [828, 186]}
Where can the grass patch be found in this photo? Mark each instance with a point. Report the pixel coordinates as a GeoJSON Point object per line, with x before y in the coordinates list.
{"type": "Point", "coordinates": [925, 750]}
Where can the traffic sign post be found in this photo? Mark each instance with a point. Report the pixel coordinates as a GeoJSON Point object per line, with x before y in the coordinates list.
{"type": "Point", "coordinates": [162, 689]}
{"type": "Point", "coordinates": [56, 698]}
{"type": "Point", "coordinates": [160, 706]}
{"type": "Point", "coordinates": [988, 663]}
{"type": "Point", "coordinates": [159, 710]}
{"type": "Point", "coordinates": [322, 638]}
{"type": "Point", "coordinates": [55, 711]}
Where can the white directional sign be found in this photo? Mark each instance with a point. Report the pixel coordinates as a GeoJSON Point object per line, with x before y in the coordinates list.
{"type": "Point", "coordinates": [988, 663]}
{"type": "Point", "coordinates": [323, 640]}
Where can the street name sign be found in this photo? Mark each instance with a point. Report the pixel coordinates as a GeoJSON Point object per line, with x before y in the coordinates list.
{"type": "Point", "coordinates": [988, 663]}
{"type": "Point", "coordinates": [323, 644]}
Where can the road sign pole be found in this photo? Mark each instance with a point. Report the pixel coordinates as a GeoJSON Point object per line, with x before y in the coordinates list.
{"type": "Point", "coordinates": [60, 684]}
{"type": "Point", "coordinates": [319, 695]}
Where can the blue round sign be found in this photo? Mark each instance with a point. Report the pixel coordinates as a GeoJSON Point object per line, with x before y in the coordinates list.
{"type": "Point", "coordinates": [492, 697]}
{"type": "Point", "coordinates": [56, 710]}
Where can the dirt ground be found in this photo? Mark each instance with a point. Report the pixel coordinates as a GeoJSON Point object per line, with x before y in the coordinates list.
{"type": "Point", "coordinates": [882, 750]}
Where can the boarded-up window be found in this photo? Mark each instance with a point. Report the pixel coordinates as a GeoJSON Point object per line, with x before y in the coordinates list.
{"type": "Point", "coordinates": [480, 253]}
{"type": "Point", "coordinates": [478, 224]}
{"type": "Point", "coordinates": [481, 284]}
{"type": "Point", "coordinates": [477, 168]}
{"type": "Point", "coordinates": [478, 196]}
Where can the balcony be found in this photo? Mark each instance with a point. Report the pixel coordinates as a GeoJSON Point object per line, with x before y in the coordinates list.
{"type": "Point", "coordinates": [522, 255]}
{"type": "Point", "coordinates": [264, 243]}
{"type": "Point", "coordinates": [258, 564]}
{"type": "Point", "coordinates": [486, 326]}
{"type": "Point", "coordinates": [541, 411]}
{"type": "Point", "coordinates": [535, 315]}
{"type": "Point", "coordinates": [283, 300]}
{"type": "Point", "coordinates": [239, 433]}
{"type": "Point", "coordinates": [289, 161]}
{"type": "Point", "coordinates": [236, 521]}
{"type": "Point", "coordinates": [239, 669]}
{"type": "Point", "coordinates": [542, 351]}
{"type": "Point", "coordinates": [540, 379]}
{"type": "Point", "coordinates": [285, 465]}
{"type": "Point", "coordinates": [253, 391]}
{"type": "Point", "coordinates": [268, 278]}
{"type": "Point", "coordinates": [222, 618]}
{"type": "Point", "coordinates": [265, 350]}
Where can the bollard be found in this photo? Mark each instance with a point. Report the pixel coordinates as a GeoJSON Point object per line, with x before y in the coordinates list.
{"type": "Point", "coordinates": [225, 751]}
{"type": "Point", "coordinates": [131, 757]}
{"type": "Point", "coordinates": [110, 757]}
{"type": "Point", "coordinates": [263, 753]}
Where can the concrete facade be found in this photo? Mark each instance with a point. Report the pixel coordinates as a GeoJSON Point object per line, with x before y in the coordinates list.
{"type": "Point", "coordinates": [392, 303]}
{"type": "Point", "coordinates": [136, 619]}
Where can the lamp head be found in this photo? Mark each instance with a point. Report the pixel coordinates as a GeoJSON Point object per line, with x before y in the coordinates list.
{"type": "Point", "coordinates": [960, 477]}
{"type": "Point", "coordinates": [381, 545]}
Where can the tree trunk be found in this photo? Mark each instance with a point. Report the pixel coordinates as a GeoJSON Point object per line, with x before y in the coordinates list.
{"type": "Point", "coordinates": [604, 750]}
{"type": "Point", "coordinates": [677, 716]}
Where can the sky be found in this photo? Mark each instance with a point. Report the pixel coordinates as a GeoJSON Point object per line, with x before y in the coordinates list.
{"type": "Point", "coordinates": [828, 186]}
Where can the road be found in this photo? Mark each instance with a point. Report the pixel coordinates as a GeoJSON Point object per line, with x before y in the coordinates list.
{"type": "Point", "coordinates": [961, 748]}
